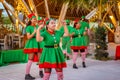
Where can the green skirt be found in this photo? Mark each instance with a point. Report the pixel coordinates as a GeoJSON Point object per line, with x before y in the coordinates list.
{"type": "Point", "coordinates": [79, 43]}
{"type": "Point", "coordinates": [87, 40]}
{"type": "Point", "coordinates": [33, 46]}
{"type": "Point", "coordinates": [52, 58]}
{"type": "Point", "coordinates": [66, 44]}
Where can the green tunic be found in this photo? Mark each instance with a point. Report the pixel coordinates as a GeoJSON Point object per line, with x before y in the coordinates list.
{"type": "Point", "coordinates": [52, 57]}
{"type": "Point", "coordinates": [32, 45]}
{"type": "Point", "coordinates": [66, 40]}
{"type": "Point", "coordinates": [78, 40]}
{"type": "Point", "coordinates": [84, 26]}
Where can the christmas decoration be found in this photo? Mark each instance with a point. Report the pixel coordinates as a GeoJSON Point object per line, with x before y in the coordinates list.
{"type": "Point", "coordinates": [101, 44]}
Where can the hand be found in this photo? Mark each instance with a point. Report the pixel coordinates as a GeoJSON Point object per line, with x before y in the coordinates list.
{"type": "Point", "coordinates": [70, 39]}
{"type": "Point", "coordinates": [41, 26]}
{"type": "Point", "coordinates": [35, 30]}
{"type": "Point", "coordinates": [64, 23]}
{"type": "Point", "coordinates": [85, 33]}
{"type": "Point", "coordinates": [71, 34]}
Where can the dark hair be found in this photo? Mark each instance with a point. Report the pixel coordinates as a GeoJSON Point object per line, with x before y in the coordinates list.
{"type": "Point", "coordinates": [48, 21]}
{"type": "Point", "coordinates": [68, 24]}
{"type": "Point", "coordinates": [75, 24]}
{"type": "Point", "coordinates": [29, 23]}
{"type": "Point", "coordinates": [85, 20]}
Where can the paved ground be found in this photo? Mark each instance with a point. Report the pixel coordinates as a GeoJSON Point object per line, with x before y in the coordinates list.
{"type": "Point", "coordinates": [96, 70]}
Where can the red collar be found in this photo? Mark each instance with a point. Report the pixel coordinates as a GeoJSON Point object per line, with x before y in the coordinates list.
{"type": "Point", "coordinates": [50, 32]}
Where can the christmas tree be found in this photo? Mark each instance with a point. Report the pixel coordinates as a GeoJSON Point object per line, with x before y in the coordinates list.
{"type": "Point", "coordinates": [101, 44]}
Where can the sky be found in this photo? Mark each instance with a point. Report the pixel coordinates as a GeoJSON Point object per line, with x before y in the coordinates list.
{"type": "Point", "coordinates": [4, 12]}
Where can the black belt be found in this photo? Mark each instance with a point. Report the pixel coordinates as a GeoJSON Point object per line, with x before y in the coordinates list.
{"type": "Point", "coordinates": [52, 46]}
{"type": "Point", "coordinates": [34, 37]}
{"type": "Point", "coordinates": [80, 35]}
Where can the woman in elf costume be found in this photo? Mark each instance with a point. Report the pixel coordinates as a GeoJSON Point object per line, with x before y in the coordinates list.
{"type": "Point", "coordinates": [32, 46]}
{"type": "Point", "coordinates": [78, 44]}
{"type": "Point", "coordinates": [66, 40]}
{"type": "Point", "coordinates": [85, 26]}
{"type": "Point", "coordinates": [41, 44]}
{"type": "Point", "coordinates": [52, 55]}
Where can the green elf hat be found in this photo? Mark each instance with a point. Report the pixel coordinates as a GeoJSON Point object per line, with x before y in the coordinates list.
{"type": "Point", "coordinates": [83, 17]}
{"type": "Point", "coordinates": [31, 16]}
{"type": "Point", "coordinates": [40, 19]}
{"type": "Point", "coordinates": [67, 21]}
{"type": "Point", "coordinates": [47, 20]}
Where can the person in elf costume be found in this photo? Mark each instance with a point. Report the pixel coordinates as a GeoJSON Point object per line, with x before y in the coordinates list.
{"type": "Point", "coordinates": [85, 26]}
{"type": "Point", "coordinates": [52, 55]}
{"type": "Point", "coordinates": [78, 43]}
{"type": "Point", "coordinates": [40, 21]}
{"type": "Point", "coordinates": [32, 46]}
{"type": "Point", "coordinates": [66, 40]}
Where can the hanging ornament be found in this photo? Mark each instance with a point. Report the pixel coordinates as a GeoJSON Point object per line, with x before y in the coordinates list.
{"type": "Point", "coordinates": [98, 46]}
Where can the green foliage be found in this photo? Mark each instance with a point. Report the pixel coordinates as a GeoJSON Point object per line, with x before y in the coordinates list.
{"type": "Point", "coordinates": [82, 3]}
{"type": "Point", "coordinates": [6, 20]}
{"type": "Point", "coordinates": [101, 44]}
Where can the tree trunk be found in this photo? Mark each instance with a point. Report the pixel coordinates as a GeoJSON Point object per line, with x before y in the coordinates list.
{"type": "Point", "coordinates": [9, 16]}
{"type": "Point", "coordinates": [117, 11]}
{"type": "Point", "coordinates": [109, 28]}
{"type": "Point", "coordinates": [33, 8]}
{"type": "Point", "coordinates": [112, 17]}
{"type": "Point", "coordinates": [36, 13]}
{"type": "Point", "coordinates": [99, 8]}
{"type": "Point", "coordinates": [26, 6]}
{"type": "Point", "coordinates": [62, 14]}
{"type": "Point", "coordinates": [47, 9]}
{"type": "Point", "coordinates": [23, 25]}
{"type": "Point", "coordinates": [108, 10]}
{"type": "Point", "coordinates": [30, 5]}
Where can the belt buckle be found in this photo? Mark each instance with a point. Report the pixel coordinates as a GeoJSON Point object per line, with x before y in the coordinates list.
{"type": "Point", "coordinates": [55, 45]}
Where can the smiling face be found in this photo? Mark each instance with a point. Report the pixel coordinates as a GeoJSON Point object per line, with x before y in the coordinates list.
{"type": "Point", "coordinates": [34, 21]}
{"type": "Point", "coordinates": [51, 25]}
{"type": "Point", "coordinates": [77, 25]}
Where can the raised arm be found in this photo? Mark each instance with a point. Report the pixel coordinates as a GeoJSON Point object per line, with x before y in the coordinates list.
{"type": "Point", "coordinates": [29, 36]}
{"type": "Point", "coordinates": [66, 33]}
{"type": "Point", "coordinates": [39, 38]}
